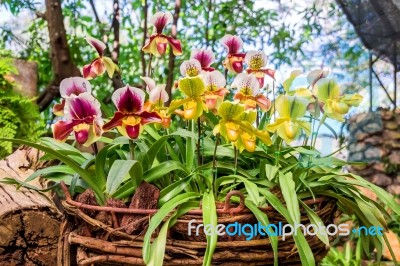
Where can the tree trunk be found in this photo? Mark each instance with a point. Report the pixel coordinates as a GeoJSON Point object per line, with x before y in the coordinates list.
{"type": "Point", "coordinates": [29, 221]}
{"type": "Point", "coordinates": [63, 67]}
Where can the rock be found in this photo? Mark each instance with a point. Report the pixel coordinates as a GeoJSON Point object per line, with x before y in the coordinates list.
{"type": "Point", "coordinates": [359, 118]}
{"type": "Point", "coordinates": [374, 140]}
{"type": "Point", "coordinates": [356, 157]}
{"type": "Point", "coordinates": [386, 114]}
{"type": "Point", "coordinates": [391, 125]}
{"type": "Point", "coordinates": [391, 144]}
{"type": "Point", "coordinates": [361, 135]}
{"type": "Point", "coordinates": [390, 134]}
{"type": "Point", "coordinates": [394, 157]}
{"type": "Point", "coordinates": [380, 167]}
{"type": "Point", "coordinates": [357, 147]}
{"type": "Point", "coordinates": [373, 154]}
{"type": "Point", "coordinates": [394, 189]}
{"type": "Point", "coordinates": [397, 180]}
{"type": "Point", "coordinates": [381, 180]}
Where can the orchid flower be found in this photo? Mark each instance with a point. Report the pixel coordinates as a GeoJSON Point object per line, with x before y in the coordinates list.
{"type": "Point", "coordinates": [157, 43]}
{"type": "Point", "coordinates": [236, 126]}
{"type": "Point", "coordinates": [83, 117]}
{"type": "Point", "coordinates": [130, 116]}
{"type": "Point", "coordinates": [249, 92]}
{"type": "Point", "coordinates": [335, 105]}
{"type": "Point", "coordinates": [288, 125]}
{"type": "Point", "coordinates": [257, 60]}
{"type": "Point", "coordinates": [101, 63]}
{"type": "Point", "coordinates": [214, 89]}
{"type": "Point", "coordinates": [234, 61]}
{"type": "Point", "coordinates": [317, 74]}
{"type": "Point", "coordinates": [193, 87]}
{"type": "Point", "coordinates": [68, 87]}
{"type": "Point", "coordinates": [158, 96]}
{"type": "Point", "coordinates": [205, 57]}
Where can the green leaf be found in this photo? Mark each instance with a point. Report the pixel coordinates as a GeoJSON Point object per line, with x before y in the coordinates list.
{"type": "Point", "coordinates": [163, 169]}
{"type": "Point", "coordinates": [157, 248]}
{"type": "Point", "coordinates": [315, 219]}
{"type": "Point", "coordinates": [159, 217]}
{"type": "Point", "coordinates": [68, 161]}
{"type": "Point", "coordinates": [263, 219]}
{"type": "Point", "coordinates": [210, 219]}
{"type": "Point", "coordinates": [173, 189]}
{"type": "Point", "coordinates": [287, 186]}
{"type": "Point", "coordinates": [271, 171]}
{"type": "Point", "coordinates": [49, 170]}
{"type": "Point", "coordinates": [120, 171]}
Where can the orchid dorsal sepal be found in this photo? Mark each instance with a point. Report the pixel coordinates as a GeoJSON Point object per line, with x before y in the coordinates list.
{"type": "Point", "coordinates": [291, 110]}
{"type": "Point", "coordinates": [190, 68]}
{"type": "Point", "coordinates": [288, 82]}
{"type": "Point", "coordinates": [205, 57]}
{"type": "Point", "coordinates": [317, 74]}
{"type": "Point", "coordinates": [68, 87]}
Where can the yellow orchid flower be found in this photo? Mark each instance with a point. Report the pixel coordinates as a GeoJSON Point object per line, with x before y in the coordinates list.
{"type": "Point", "coordinates": [193, 87]}
{"type": "Point", "coordinates": [288, 125]}
{"type": "Point", "coordinates": [236, 126]}
{"type": "Point", "coordinates": [335, 105]}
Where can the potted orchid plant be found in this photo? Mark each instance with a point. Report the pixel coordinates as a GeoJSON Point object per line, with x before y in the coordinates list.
{"type": "Point", "coordinates": [212, 142]}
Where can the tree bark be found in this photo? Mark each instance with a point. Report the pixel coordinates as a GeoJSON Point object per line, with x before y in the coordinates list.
{"type": "Point", "coordinates": [171, 63]}
{"type": "Point", "coordinates": [63, 67]}
{"type": "Point", "coordinates": [29, 221]}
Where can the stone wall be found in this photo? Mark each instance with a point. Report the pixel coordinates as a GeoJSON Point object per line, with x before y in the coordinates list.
{"type": "Point", "coordinates": [374, 138]}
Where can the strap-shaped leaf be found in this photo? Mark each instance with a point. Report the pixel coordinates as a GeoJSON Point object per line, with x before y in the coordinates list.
{"type": "Point", "coordinates": [120, 171]}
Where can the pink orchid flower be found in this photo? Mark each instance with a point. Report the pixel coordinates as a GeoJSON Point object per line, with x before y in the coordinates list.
{"type": "Point", "coordinates": [101, 64]}
{"type": "Point", "coordinates": [83, 117]}
{"type": "Point", "coordinates": [157, 43]}
{"type": "Point", "coordinates": [234, 61]}
{"type": "Point", "coordinates": [205, 57]}
{"type": "Point", "coordinates": [130, 116]}
{"type": "Point", "coordinates": [68, 87]}
{"type": "Point", "coordinates": [215, 92]}
{"type": "Point", "coordinates": [257, 60]}
{"type": "Point", "coordinates": [249, 92]}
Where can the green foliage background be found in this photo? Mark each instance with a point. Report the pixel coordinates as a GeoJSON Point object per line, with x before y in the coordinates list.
{"type": "Point", "coordinates": [19, 116]}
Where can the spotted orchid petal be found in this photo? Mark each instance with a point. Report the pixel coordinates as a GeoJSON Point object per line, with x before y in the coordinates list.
{"type": "Point", "coordinates": [230, 111]}
{"type": "Point", "coordinates": [74, 85]}
{"type": "Point", "coordinates": [96, 44]}
{"type": "Point", "coordinates": [82, 107]}
{"type": "Point", "coordinates": [150, 83]}
{"type": "Point", "coordinates": [190, 68]}
{"type": "Point", "coordinates": [128, 99]}
{"type": "Point", "coordinates": [159, 20]}
{"type": "Point", "coordinates": [247, 84]}
{"type": "Point", "coordinates": [205, 57]}
{"type": "Point", "coordinates": [213, 80]}
{"type": "Point", "coordinates": [159, 95]}
{"type": "Point", "coordinates": [256, 59]}
{"type": "Point", "coordinates": [232, 43]}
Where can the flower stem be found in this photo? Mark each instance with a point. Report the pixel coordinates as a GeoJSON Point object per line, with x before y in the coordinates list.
{"type": "Point", "coordinates": [236, 160]}
{"type": "Point", "coordinates": [214, 165]}
{"type": "Point", "coordinates": [132, 149]}
{"type": "Point", "coordinates": [149, 67]}
{"type": "Point", "coordinates": [95, 149]}
{"type": "Point", "coordinates": [199, 156]}
{"type": "Point", "coordinates": [319, 126]}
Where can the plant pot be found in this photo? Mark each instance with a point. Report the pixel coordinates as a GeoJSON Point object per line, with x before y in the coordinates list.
{"type": "Point", "coordinates": [92, 241]}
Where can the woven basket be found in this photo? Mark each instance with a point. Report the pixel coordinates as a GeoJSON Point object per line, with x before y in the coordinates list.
{"type": "Point", "coordinates": [112, 246]}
